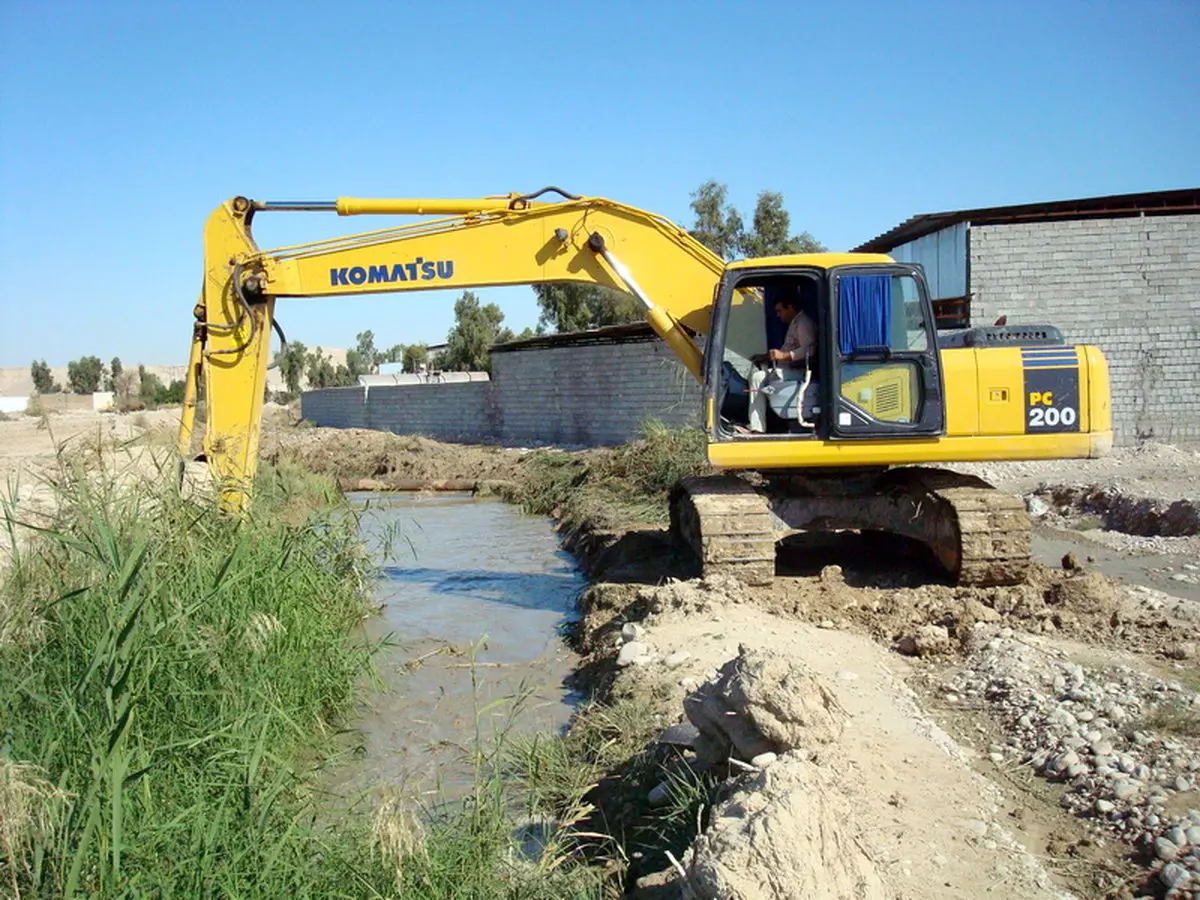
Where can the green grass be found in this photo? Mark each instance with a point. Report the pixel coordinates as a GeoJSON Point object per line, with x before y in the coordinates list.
{"type": "Point", "coordinates": [610, 488]}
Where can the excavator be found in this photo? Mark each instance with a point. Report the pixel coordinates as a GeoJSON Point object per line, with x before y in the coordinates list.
{"type": "Point", "coordinates": [852, 433]}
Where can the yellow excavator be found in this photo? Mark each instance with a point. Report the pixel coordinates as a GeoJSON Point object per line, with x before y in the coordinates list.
{"type": "Point", "coordinates": [841, 439]}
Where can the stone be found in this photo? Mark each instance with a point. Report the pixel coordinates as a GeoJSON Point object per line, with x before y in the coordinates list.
{"type": "Point", "coordinates": [633, 653]}
{"type": "Point", "coordinates": [1070, 563]}
{"type": "Point", "coordinates": [1172, 875]}
{"type": "Point", "coordinates": [660, 794]}
{"type": "Point", "coordinates": [832, 575]}
{"type": "Point", "coordinates": [631, 631]}
{"type": "Point", "coordinates": [1104, 807]}
{"type": "Point", "coordinates": [1101, 748]}
{"type": "Point", "coordinates": [1176, 836]}
{"type": "Point", "coordinates": [676, 659]}
{"type": "Point", "coordinates": [764, 759]}
{"type": "Point", "coordinates": [1182, 650]}
{"type": "Point", "coordinates": [1036, 506]}
{"type": "Point", "coordinates": [928, 640]}
{"type": "Point", "coordinates": [1165, 850]}
{"type": "Point", "coordinates": [1193, 835]}
{"type": "Point", "coordinates": [1125, 788]}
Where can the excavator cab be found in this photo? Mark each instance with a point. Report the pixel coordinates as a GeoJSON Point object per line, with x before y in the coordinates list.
{"type": "Point", "coordinates": [873, 372]}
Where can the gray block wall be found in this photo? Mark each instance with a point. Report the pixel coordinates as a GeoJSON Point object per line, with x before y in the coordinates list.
{"type": "Point", "coordinates": [589, 395]}
{"type": "Point", "coordinates": [592, 395]}
{"type": "Point", "coordinates": [448, 412]}
{"type": "Point", "coordinates": [1129, 286]}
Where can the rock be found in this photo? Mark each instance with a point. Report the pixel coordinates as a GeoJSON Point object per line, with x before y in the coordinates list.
{"type": "Point", "coordinates": [1165, 850]}
{"type": "Point", "coordinates": [1193, 835]}
{"type": "Point", "coordinates": [1176, 836]}
{"type": "Point", "coordinates": [1172, 875]}
{"type": "Point", "coordinates": [1036, 506]}
{"type": "Point", "coordinates": [676, 659]}
{"type": "Point", "coordinates": [660, 794]}
{"type": "Point", "coordinates": [1104, 807]}
{"type": "Point", "coordinates": [928, 640]}
{"type": "Point", "coordinates": [759, 702]}
{"type": "Point", "coordinates": [682, 734]}
{"type": "Point", "coordinates": [763, 760]}
{"type": "Point", "coordinates": [832, 575]}
{"type": "Point", "coordinates": [1070, 563]}
{"type": "Point", "coordinates": [1182, 650]}
{"type": "Point", "coordinates": [976, 828]}
{"type": "Point", "coordinates": [1125, 788]}
{"type": "Point", "coordinates": [631, 631]}
{"type": "Point", "coordinates": [1101, 748]}
{"type": "Point", "coordinates": [633, 653]}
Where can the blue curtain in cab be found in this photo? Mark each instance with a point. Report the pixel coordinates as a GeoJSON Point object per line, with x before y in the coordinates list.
{"type": "Point", "coordinates": [864, 311]}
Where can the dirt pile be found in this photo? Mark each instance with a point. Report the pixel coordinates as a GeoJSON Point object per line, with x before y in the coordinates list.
{"type": "Point", "coordinates": [787, 833]}
{"type": "Point", "coordinates": [762, 703]}
{"type": "Point", "coordinates": [356, 453]}
{"type": "Point", "coordinates": [1121, 511]}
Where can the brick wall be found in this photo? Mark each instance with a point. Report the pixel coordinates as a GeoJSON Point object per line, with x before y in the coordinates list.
{"type": "Point", "coordinates": [591, 395]}
{"type": "Point", "coordinates": [1129, 286]}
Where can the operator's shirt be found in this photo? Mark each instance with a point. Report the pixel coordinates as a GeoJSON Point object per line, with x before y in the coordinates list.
{"type": "Point", "coordinates": [801, 337]}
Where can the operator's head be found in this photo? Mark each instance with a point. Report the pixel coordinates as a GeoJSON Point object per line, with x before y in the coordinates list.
{"type": "Point", "coordinates": [786, 307]}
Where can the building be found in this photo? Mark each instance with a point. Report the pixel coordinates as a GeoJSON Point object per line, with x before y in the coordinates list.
{"type": "Point", "coordinates": [1119, 272]}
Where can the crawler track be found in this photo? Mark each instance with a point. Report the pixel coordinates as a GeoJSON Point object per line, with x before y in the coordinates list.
{"type": "Point", "coordinates": [978, 534]}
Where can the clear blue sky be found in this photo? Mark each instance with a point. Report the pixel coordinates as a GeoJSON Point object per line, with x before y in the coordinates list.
{"type": "Point", "coordinates": [123, 124]}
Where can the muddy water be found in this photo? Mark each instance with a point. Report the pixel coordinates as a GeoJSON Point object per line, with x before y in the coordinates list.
{"type": "Point", "coordinates": [470, 590]}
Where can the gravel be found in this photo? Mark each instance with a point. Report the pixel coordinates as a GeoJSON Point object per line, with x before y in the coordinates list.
{"type": "Point", "coordinates": [1089, 729]}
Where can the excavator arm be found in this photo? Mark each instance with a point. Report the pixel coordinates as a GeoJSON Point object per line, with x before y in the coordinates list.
{"type": "Point", "coordinates": [474, 243]}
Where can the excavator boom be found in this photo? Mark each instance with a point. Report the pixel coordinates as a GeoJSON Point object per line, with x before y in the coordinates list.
{"type": "Point", "coordinates": [482, 242]}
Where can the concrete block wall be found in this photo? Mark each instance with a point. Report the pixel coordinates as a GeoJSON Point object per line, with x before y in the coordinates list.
{"type": "Point", "coordinates": [448, 412]}
{"type": "Point", "coordinates": [584, 395]}
{"type": "Point", "coordinates": [1130, 286]}
{"type": "Point", "coordinates": [590, 395]}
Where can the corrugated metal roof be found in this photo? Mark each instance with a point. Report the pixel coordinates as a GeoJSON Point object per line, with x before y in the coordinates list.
{"type": "Point", "coordinates": [609, 334]}
{"type": "Point", "coordinates": [1154, 203]}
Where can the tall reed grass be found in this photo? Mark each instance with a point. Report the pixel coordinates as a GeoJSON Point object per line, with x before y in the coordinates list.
{"type": "Point", "coordinates": [170, 685]}
{"type": "Point", "coordinates": [167, 690]}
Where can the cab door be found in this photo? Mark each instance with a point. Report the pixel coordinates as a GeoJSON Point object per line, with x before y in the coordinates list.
{"type": "Point", "coordinates": [885, 372]}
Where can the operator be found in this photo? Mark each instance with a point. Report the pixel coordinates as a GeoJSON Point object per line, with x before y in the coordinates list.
{"type": "Point", "coordinates": [792, 358]}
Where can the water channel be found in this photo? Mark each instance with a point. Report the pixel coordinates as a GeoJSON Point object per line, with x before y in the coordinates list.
{"type": "Point", "coordinates": [474, 596]}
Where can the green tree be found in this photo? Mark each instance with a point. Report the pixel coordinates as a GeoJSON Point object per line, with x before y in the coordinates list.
{"type": "Point", "coordinates": [356, 364]}
{"type": "Point", "coordinates": [415, 356]}
{"type": "Point", "coordinates": [476, 328]}
{"type": "Point", "coordinates": [719, 226]}
{"type": "Point", "coordinates": [115, 370]}
{"type": "Point", "coordinates": [292, 359]}
{"type": "Point", "coordinates": [571, 306]}
{"type": "Point", "coordinates": [368, 357]}
{"type": "Point", "coordinates": [319, 369]}
{"type": "Point", "coordinates": [772, 227]}
{"type": "Point", "coordinates": [149, 386]}
{"type": "Point", "coordinates": [395, 354]}
{"type": "Point", "coordinates": [43, 381]}
{"type": "Point", "coordinates": [85, 374]}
